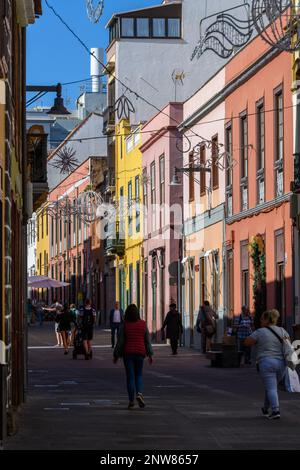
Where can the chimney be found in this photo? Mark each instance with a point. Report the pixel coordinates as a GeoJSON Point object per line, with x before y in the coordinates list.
{"type": "Point", "coordinates": [96, 68]}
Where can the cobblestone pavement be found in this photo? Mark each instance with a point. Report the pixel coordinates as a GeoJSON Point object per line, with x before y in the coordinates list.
{"type": "Point", "coordinates": [78, 404]}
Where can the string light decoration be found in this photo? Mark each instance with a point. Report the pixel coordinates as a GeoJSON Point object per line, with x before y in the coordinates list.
{"type": "Point", "coordinates": [94, 12]}
{"type": "Point", "coordinates": [276, 21]}
{"type": "Point", "coordinates": [84, 207]}
{"type": "Point", "coordinates": [65, 161]}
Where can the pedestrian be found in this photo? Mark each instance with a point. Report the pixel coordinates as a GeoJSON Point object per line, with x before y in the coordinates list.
{"type": "Point", "coordinates": [40, 312]}
{"type": "Point", "coordinates": [134, 345]}
{"type": "Point", "coordinates": [29, 311]}
{"type": "Point", "coordinates": [209, 324]}
{"type": "Point", "coordinates": [56, 308]}
{"type": "Point", "coordinates": [243, 327]}
{"type": "Point", "coordinates": [174, 326]}
{"type": "Point", "coordinates": [63, 319]}
{"type": "Point", "coordinates": [270, 359]}
{"type": "Point", "coordinates": [116, 319]}
{"type": "Point", "coordinates": [200, 330]}
{"type": "Point", "coordinates": [74, 313]}
{"type": "Point", "coordinates": [87, 319]}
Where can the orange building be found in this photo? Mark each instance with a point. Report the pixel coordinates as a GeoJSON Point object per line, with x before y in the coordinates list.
{"type": "Point", "coordinates": [259, 136]}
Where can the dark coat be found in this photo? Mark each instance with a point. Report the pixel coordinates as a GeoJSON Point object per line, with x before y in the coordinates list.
{"type": "Point", "coordinates": [111, 316]}
{"type": "Point", "coordinates": [173, 323]}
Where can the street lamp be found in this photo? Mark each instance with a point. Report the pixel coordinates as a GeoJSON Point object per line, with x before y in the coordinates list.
{"type": "Point", "coordinates": [195, 169]}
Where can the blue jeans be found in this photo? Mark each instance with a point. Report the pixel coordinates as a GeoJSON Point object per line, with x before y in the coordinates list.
{"type": "Point", "coordinates": [134, 370]}
{"type": "Point", "coordinates": [272, 371]}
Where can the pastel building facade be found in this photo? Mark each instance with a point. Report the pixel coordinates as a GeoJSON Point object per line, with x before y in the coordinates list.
{"type": "Point", "coordinates": [162, 203]}
{"type": "Point", "coordinates": [203, 204]}
{"type": "Point", "coordinates": [259, 135]}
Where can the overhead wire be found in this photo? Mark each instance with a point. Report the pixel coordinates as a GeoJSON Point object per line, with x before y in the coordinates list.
{"type": "Point", "coordinates": [110, 73]}
{"type": "Point", "coordinates": [226, 119]}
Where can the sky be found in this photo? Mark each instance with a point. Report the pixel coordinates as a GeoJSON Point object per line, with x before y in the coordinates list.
{"type": "Point", "coordinates": [54, 55]}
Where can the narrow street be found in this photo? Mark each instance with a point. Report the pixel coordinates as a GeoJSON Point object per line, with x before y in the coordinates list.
{"type": "Point", "coordinates": [83, 404]}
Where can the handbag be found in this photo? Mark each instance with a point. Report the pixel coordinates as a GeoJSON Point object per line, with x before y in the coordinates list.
{"type": "Point", "coordinates": [289, 353]}
{"type": "Point", "coordinates": [291, 381]}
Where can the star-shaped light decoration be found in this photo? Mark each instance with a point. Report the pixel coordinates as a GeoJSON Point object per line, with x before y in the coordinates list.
{"type": "Point", "coordinates": [65, 161]}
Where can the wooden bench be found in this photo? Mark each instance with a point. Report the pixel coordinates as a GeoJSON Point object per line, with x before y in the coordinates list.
{"type": "Point", "coordinates": [223, 355]}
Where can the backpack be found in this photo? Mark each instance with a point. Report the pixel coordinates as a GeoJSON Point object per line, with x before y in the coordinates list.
{"type": "Point", "coordinates": [87, 317]}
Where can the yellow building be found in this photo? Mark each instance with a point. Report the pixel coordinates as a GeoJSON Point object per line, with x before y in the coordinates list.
{"type": "Point", "coordinates": [130, 224]}
{"type": "Point", "coordinates": [42, 245]}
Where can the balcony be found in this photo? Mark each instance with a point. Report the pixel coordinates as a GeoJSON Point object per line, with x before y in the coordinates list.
{"type": "Point", "coordinates": [244, 195]}
{"type": "Point", "coordinates": [115, 242]}
{"type": "Point", "coordinates": [279, 187]}
{"type": "Point", "coordinates": [260, 187]}
{"type": "Point", "coordinates": [109, 120]}
{"type": "Point", "coordinates": [229, 205]}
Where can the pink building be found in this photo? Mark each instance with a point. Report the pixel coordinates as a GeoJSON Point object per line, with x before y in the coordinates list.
{"type": "Point", "coordinates": [162, 228]}
{"type": "Point", "coordinates": [70, 238]}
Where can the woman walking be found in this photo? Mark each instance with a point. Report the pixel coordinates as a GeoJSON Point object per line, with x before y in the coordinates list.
{"type": "Point", "coordinates": [174, 327]}
{"type": "Point", "coordinates": [134, 345]}
{"type": "Point", "coordinates": [270, 359]}
{"type": "Point", "coordinates": [64, 326]}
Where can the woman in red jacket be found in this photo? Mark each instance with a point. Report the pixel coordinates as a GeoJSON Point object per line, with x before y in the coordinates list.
{"type": "Point", "coordinates": [134, 345]}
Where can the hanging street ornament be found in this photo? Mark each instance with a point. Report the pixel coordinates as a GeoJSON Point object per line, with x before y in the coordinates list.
{"type": "Point", "coordinates": [65, 161]}
{"type": "Point", "coordinates": [94, 12]}
{"type": "Point", "coordinates": [123, 107]}
{"type": "Point", "coordinates": [226, 34]}
{"type": "Point", "coordinates": [277, 21]}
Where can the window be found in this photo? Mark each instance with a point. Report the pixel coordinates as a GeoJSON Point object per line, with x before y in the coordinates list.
{"type": "Point", "coordinates": [202, 172]}
{"type": "Point", "coordinates": [122, 214]}
{"type": "Point", "coordinates": [142, 27]}
{"type": "Point", "coordinates": [159, 27]}
{"type": "Point", "coordinates": [145, 189]}
{"type": "Point", "coordinates": [79, 226]}
{"type": "Point", "coordinates": [38, 228]}
{"type": "Point", "coordinates": [228, 156]}
{"type": "Point", "coordinates": [74, 223]}
{"type": "Point", "coordinates": [42, 221]}
{"type": "Point", "coordinates": [260, 136]}
{"type": "Point", "coordinates": [202, 279]}
{"type": "Point", "coordinates": [216, 280]}
{"type": "Point", "coordinates": [127, 27]}
{"type": "Point", "coordinates": [214, 158]}
{"type": "Point", "coordinates": [244, 273]}
{"type": "Point", "coordinates": [130, 208]}
{"type": "Point", "coordinates": [278, 125]}
{"type": "Point", "coordinates": [138, 285]}
{"type": "Point", "coordinates": [280, 271]}
{"type": "Point", "coordinates": [137, 204]}
{"type": "Point", "coordinates": [162, 179]}
{"type": "Point", "coordinates": [153, 198]}
{"type": "Point", "coordinates": [244, 146]}
{"type": "Point", "coordinates": [130, 298]}
{"type": "Point", "coordinates": [174, 28]}
{"type": "Point", "coordinates": [191, 177]}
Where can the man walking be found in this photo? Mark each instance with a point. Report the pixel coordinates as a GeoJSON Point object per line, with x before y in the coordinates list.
{"type": "Point", "coordinates": [116, 319]}
{"type": "Point", "coordinates": [243, 327]}
{"type": "Point", "coordinates": [174, 327]}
